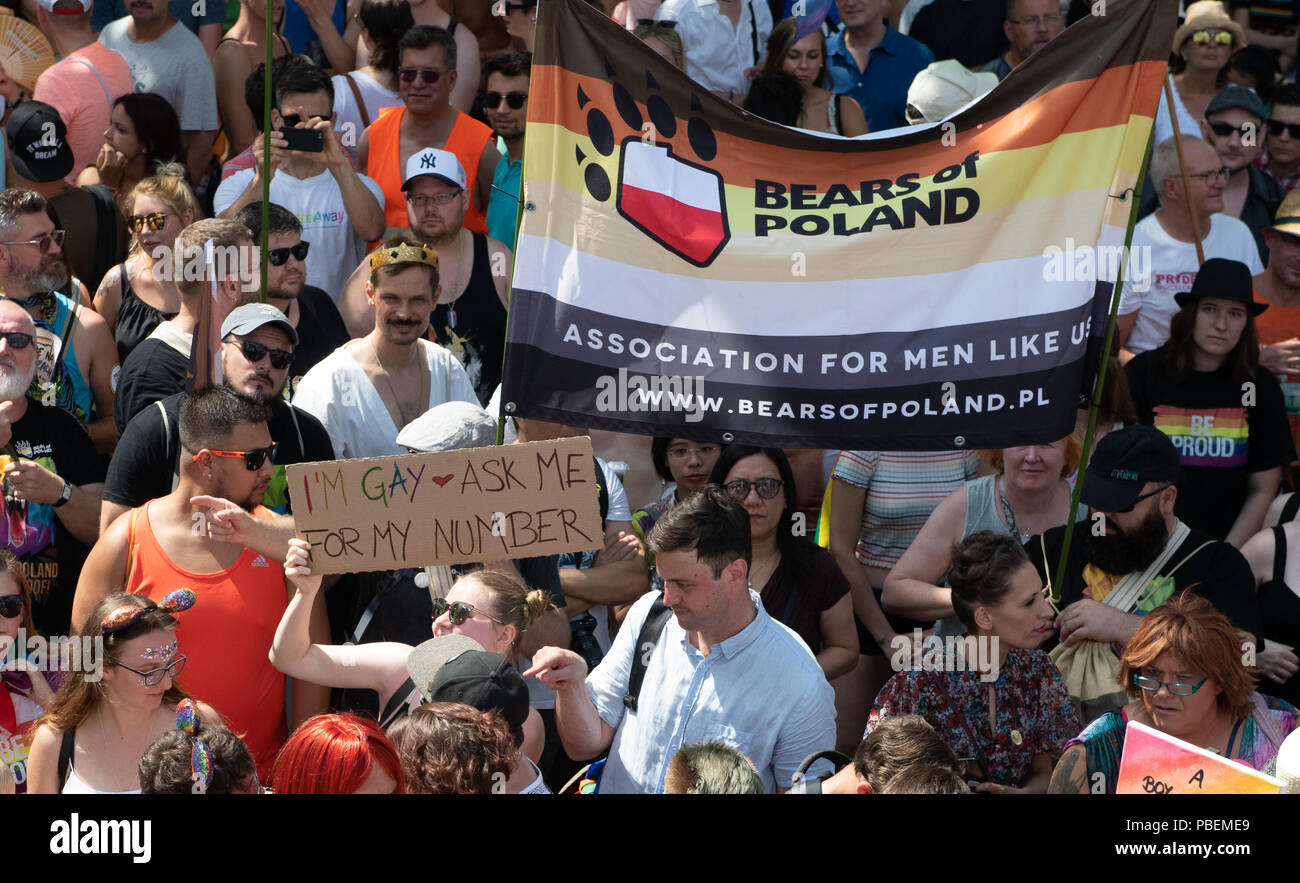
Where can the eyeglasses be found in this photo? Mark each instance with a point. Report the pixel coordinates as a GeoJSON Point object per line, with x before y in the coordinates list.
{"type": "Point", "coordinates": [154, 220]}
{"type": "Point", "coordinates": [155, 676]}
{"type": "Point", "coordinates": [766, 488]}
{"type": "Point", "coordinates": [293, 119]}
{"type": "Point", "coordinates": [1221, 173]}
{"type": "Point", "coordinates": [253, 459]}
{"type": "Point", "coordinates": [667, 24]}
{"type": "Point", "coordinates": [514, 100]}
{"type": "Point", "coordinates": [277, 256]}
{"type": "Point", "coordinates": [1035, 20]}
{"type": "Point", "coordinates": [11, 606]}
{"type": "Point", "coordinates": [1153, 685]}
{"type": "Point", "coordinates": [459, 611]}
{"type": "Point", "coordinates": [1277, 127]}
{"type": "Point", "coordinates": [17, 340]}
{"type": "Point", "coordinates": [424, 202]}
{"type": "Point", "coordinates": [47, 241]}
{"type": "Point", "coordinates": [254, 351]}
{"type": "Point", "coordinates": [681, 452]}
{"type": "Point", "coordinates": [430, 75]}
{"type": "Point", "coordinates": [1223, 38]}
{"type": "Point", "coordinates": [1223, 130]}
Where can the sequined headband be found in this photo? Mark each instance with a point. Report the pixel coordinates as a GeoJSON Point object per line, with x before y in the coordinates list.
{"type": "Point", "coordinates": [403, 254]}
{"type": "Point", "coordinates": [187, 721]}
{"type": "Point", "coordinates": [126, 615]}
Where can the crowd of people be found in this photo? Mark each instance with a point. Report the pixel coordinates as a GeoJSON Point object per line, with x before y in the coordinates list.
{"type": "Point", "coordinates": [710, 645]}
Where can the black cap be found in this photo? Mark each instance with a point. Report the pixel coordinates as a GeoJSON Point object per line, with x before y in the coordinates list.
{"type": "Point", "coordinates": [1225, 280]}
{"type": "Point", "coordinates": [485, 681]}
{"type": "Point", "coordinates": [1233, 95]}
{"type": "Point", "coordinates": [1124, 461]}
{"type": "Point", "coordinates": [38, 142]}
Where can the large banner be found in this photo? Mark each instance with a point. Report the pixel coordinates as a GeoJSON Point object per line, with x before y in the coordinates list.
{"type": "Point", "coordinates": [685, 268]}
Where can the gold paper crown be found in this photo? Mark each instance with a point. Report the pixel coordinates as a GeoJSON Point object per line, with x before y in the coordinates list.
{"type": "Point", "coordinates": [403, 254]}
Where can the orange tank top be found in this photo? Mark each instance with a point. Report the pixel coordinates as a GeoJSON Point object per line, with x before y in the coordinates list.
{"type": "Point", "coordinates": [225, 636]}
{"type": "Point", "coordinates": [468, 139]}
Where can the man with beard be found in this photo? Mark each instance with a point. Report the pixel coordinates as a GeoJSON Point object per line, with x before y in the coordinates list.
{"type": "Point", "coordinates": [1133, 554]}
{"type": "Point", "coordinates": [79, 377]}
{"type": "Point", "coordinates": [310, 311]}
{"type": "Point", "coordinates": [1279, 286]}
{"type": "Point", "coordinates": [505, 104]}
{"type": "Point", "coordinates": [226, 455]}
{"type": "Point", "coordinates": [369, 388]}
{"type": "Point", "coordinates": [52, 480]}
{"type": "Point", "coordinates": [257, 340]}
{"type": "Point", "coordinates": [469, 318]}
{"type": "Point", "coordinates": [1028, 27]}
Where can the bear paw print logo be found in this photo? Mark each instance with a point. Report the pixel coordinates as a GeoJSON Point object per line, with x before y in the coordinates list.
{"type": "Point", "coordinates": [676, 201]}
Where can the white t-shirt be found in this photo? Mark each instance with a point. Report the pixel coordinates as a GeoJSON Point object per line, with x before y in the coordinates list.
{"type": "Point", "coordinates": [337, 392]}
{"type": "Point", "coordinates": [336, 249]}
{"type": "Point", "coordinates": [166, 66]}
{"type": "Point", "coordinates": [348, 122]}
{"type": "Point", "coordinates": [1172, 268]}
{"type": "Point", "coordinates": [717, 54]}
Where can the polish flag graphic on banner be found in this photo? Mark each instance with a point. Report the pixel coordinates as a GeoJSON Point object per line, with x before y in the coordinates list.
{"type": "Point", "coordinates": [677, 203]}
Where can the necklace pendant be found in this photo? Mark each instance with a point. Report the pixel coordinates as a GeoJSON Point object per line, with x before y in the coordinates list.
{"type": "Point", "coordinates": [451, 317]}
{"type": "Point", "coordinates": [1016, 738]}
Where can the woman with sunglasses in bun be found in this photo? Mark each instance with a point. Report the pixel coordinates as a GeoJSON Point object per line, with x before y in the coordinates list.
{"type": "Point", "coordinates": [800, 583]}
{"type": "Point", "coordinates": [107, 714]}
{"type": "Point", "coordinates": [25, 690]}
{"type": "Point", "coordinates": [136, 296]}
{"type": "Point", "coordinates": [493, 608]}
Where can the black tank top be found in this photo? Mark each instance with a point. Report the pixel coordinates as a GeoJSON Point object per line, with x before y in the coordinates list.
{"type": "Point", "coordinates": [1279, 610]}
{"type": "Point", "coordinates": [473, 327]}
{"type": "Point", "coordinates": [136, 319]}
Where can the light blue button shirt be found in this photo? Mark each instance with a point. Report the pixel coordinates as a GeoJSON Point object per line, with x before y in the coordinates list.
{"type": "Point", "coordinates": [760, 691]}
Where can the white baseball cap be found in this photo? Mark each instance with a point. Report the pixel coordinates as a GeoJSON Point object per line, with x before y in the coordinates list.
{"type": "Point", "coordinates": [48, 6]}
{"type": "Point", "coordinates": [945, 86]}
{"type": "Point", "coordinates": [440, 164]}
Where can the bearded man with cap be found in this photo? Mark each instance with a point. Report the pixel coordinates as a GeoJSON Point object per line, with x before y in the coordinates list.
{"type": "Point", "coordinates": [1131, 555]}
{"type": "Point", "coordinates": [469, 318]}
{"type": "Point", "coordinates": [1279, 287]}
{"type": "Point", "coordinates": [257, 344]}
{"type": "Point", "coordinates": [1205, 390]}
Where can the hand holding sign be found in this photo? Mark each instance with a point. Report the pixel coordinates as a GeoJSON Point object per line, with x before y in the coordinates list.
{"type": "Point", "coordinates": [297, 567]}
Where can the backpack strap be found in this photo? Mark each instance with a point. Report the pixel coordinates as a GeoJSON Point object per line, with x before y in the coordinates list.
{"type": "Point", "coordinates": [397, 704]}
{"type": "Point", "coordinates": [1290, 508]}
{"type": "Point", "coordinates": [66, 746]}
{"type": "Point", "coordinates": [361, 105]}
{"type": "Point", "coordinates": [1279, 553]}
{"type": "Point", "coordinates": [651, 629]}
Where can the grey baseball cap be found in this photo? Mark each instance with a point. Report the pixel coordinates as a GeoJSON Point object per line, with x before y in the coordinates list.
{"type": "Point", "coordinates": [1237, 96]}
{"type": "Point", "coordinates": [250, 317]}
{"type": "Point", "coordinates": [426, 660]}
{"type": "Point", "coordinates": [449, 427]}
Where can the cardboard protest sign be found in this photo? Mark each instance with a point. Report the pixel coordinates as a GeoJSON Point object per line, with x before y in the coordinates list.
{"type": "Point", "coordinates": [449, 507]}
{"type": "Point", "coordinates": [1155, 763]}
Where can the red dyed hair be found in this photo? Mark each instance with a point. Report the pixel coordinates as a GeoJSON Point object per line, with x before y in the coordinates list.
{"type": "Point", "coordinates": [332, 754]}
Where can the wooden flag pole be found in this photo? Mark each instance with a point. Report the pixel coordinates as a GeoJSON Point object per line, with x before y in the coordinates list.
{"type": "Point", "coordinates": [266, 148]}
{"type": "Point", "coordinates": [1182, 170]}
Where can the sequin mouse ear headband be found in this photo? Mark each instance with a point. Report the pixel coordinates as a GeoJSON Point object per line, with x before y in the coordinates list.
{"type": "Point", "coordinates": [187, 721]}
{"type": "Point", "coordinates": [126, 615]}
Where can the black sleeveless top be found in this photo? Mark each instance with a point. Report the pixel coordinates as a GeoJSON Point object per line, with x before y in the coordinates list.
{"type": "Point", "coordinates": [473, 326]}
{"type": "Point", "coordinates": [1279, 610]}
{"type": "Point", "coordinates": [136, 319]}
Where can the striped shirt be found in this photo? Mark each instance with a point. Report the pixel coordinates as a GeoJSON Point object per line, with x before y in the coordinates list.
{"type": "Point", "coordinates": [903, 487]}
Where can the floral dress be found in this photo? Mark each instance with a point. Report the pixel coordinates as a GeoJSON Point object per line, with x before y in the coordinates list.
{"type": "Point", "coordinates": [1034, 713]}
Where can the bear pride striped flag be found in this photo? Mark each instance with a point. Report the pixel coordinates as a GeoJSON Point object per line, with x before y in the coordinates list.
{"type": "Point", "coordinates": [685, 268]}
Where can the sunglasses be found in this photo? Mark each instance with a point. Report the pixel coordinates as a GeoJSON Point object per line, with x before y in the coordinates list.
{"type": "Point", "coordinates": [766, 488]}
{"type": "Point", "coordinates": [1223, 130]}
{"type": "Point", "coordinates": [514, 100]}
{"type": "Point", "coordinates": [154, 676]}
{"type": "Point", "coordinates": [277, 256]}
{"type": "Point", "coordinates": [1223, 38]}
{"type": "Point", "coordinates": [458, 611]}
{"type": "Point", "coordinates": [667, 24]}
{"type": "Point", "coordinates": [154, 220]}
{"type": "Point", "coordinates": [11, 606]}
{"type": "Point", "coordinates": [17, 340]}
{"type": "Point", "coordinates": [1277, 127]}
{"type": "Point", "coordinates": [526, 4]}
{"type": "Point", "coordinates": [1142, 497]}
{"type": "Point", "coordinates": [253, 459]}
{"type": "Point", "coordinates": [430, 75]}
{"type": "Point", "coordinates": [1152, 685]}
{"type": "Point", "coordinates": [46, 241]}
{"type": "Point", "coordinates": [254, 351]}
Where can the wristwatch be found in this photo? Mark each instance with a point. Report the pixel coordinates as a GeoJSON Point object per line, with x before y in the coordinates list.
{"type": "Point", "coordinates": [65, 494]}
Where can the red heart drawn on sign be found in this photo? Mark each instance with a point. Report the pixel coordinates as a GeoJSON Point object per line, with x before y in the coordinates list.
{"type": "Point", "coordinates": [441, 480]}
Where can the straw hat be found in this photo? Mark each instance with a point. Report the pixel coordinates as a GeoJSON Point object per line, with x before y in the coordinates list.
{"type": "Point", "coordinates": [1208, 14]}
